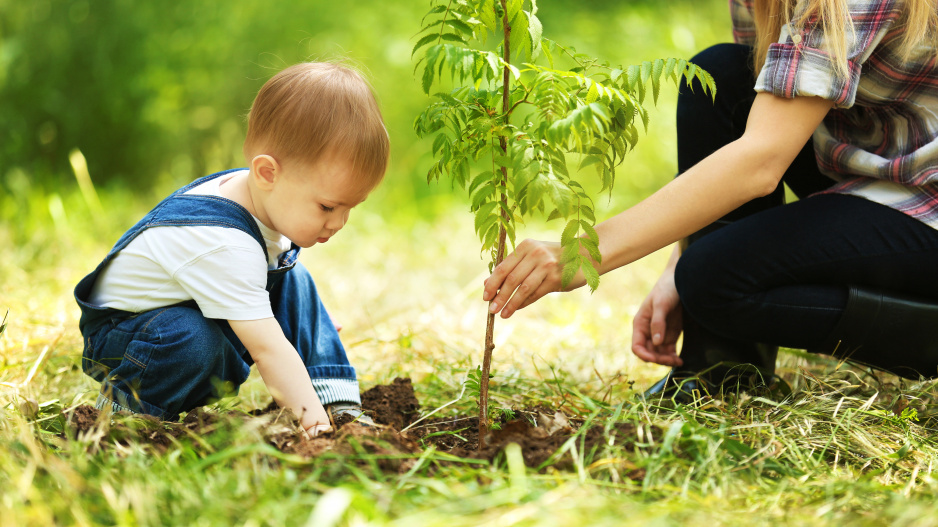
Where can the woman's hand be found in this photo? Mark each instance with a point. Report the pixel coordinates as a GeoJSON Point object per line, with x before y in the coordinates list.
{"type": "Point", "coordinates": [526, 275]}
{"type": "Point", "coordinates": [657, 325]}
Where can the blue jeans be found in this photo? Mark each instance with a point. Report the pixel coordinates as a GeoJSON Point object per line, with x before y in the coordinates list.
{"type": "Point", "coordinates": [778, 274]}
{"type": "Point", "coordinates": [173, 359]}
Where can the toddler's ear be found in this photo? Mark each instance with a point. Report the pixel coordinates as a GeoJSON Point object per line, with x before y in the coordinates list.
{"type": "Point", "coordinates": [265, 170]}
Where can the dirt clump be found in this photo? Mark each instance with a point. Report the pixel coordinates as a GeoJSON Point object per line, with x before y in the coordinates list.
{"type": "Point", "coordinates": [87, 423]}
{"type": "Point", "coordinates": [393, 404]}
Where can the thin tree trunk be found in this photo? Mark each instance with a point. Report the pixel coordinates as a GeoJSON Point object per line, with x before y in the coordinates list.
{"type": "Point", "coordinates": [502, 234]}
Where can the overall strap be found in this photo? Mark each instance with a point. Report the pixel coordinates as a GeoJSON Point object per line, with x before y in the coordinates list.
{"type": "Point", "coordinates": [180, 210]}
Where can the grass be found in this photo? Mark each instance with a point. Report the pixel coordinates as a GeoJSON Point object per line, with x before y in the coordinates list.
{"type": "Point", "coordinates": [845, 448]}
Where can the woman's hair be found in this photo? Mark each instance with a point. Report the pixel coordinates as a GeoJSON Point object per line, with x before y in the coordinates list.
{"type": "Point", "coordinates": [919, 24]}
{"type": "Point", "coordinates": [316, 110]}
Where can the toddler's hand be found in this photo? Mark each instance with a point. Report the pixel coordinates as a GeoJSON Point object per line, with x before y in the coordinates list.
{"type": "Point", "coordinates": [317, 429]}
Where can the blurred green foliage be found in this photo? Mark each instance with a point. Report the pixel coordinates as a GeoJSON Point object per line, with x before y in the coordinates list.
{"type": "Point", "coordinates": [154, 93]}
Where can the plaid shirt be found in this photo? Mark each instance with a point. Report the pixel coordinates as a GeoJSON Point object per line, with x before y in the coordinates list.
{"type": "Point", "coordinates": [881, 139]}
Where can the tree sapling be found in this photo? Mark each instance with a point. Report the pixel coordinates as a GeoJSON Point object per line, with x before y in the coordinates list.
{"type": "Point", "coordinates": [505, 128]}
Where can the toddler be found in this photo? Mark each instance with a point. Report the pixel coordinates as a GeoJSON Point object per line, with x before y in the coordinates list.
{"type": "Point", "coordinates": [208, 282]}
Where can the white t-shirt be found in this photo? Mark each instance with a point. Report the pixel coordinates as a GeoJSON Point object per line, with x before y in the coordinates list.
{"type": "Point", "coordinates": [221, 268]}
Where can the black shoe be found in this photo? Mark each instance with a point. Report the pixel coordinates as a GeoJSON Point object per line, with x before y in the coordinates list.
{"type": "Point", "coordinates": [675, 387]}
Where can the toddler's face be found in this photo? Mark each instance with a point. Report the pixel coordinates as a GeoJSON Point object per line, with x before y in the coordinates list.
{"type": "Point", "coordinates": [310, 203]}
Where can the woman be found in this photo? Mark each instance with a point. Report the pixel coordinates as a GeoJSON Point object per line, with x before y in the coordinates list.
{"type": "Point", "coordinates": [845, 111]}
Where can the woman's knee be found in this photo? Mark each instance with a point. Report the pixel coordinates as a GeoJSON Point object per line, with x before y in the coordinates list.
{"type": "Point", "coordinates": [706, 283]}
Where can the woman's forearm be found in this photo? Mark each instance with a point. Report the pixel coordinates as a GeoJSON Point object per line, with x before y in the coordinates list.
{"type": "Point", "coordinates": [745, 169]}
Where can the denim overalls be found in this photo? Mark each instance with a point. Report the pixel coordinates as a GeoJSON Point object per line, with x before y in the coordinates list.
{"type": "Point", "coordinates": [172, 359]}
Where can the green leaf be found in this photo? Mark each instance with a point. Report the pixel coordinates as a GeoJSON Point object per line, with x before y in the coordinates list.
{"type": "Point", "coordinates": [592, 249]}
{"type": "Point", "coordinates": [484, 216]}
{"type": "Point", "coordinates": [561, 196]}
{"type": "Point", "coordinates": [590, 273]}
{"type": "Point", "coordinates": [586, 211]}
{"type": "Point", "coordinates": [452, 37]}
{"type": "Point", "coordinates": [535, 30]}
{"type": "Point", "coordinates": [590, 231]}
{"type": "Point", "coordinates": [3, 324]}
{"type": "Point", "coordinates": [482, 177]}
{"type": "Point", "coordinates": [546, 51]}
{"type": "Point", "coordinates": [433, 53]}
{"type": "Point", "coordinates": [569, 233]}
{"type": "Point", "coordinates": [439, 142]}
{"type": "Point", "coordinates": [484, 193]}
{"type": "Point", "coordinates": [514, 6]}
{"type": "Point", "coordinates": [569, 271]}
{"type": "Point", "coordinates": [460, 26]}
{"type": "Point", "coordinates": [590, 161]}
{"type": "Point", "coordinates": [633, 75]}
{"type": "Point", "coordinates": [486, 14]}
{"type": "Point", "coordinates": [592, 94]}
{"type": "Point", "coordinates": [491, 236]}
{"type": "Point", "coordinates": [434, 10]}
{"type": "Point", "coordinates": [503, 161]}
{"type": "Point", "coordinates": [669, 69]}
{"type": "Point", "coordinates": [426, 39]}
{"type": "Point", "coordinates": [656, 79]}
{"type": "Point", "coordinates": [570, 252]}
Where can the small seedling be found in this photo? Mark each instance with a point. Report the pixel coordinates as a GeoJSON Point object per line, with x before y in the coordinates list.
{"type": "Point", "coordinates": [519, 112]}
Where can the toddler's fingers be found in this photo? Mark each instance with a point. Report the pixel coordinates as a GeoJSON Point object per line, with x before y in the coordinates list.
{"type": "Point", "coordinates": [317, 429]}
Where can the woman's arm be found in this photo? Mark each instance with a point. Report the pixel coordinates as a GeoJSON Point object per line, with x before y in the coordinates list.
{"type": "Point", "coordinates": [747, 168]}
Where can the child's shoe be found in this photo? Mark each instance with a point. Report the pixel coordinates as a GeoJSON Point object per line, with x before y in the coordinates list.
{"type": "Point", "coordinates": [342, 409]}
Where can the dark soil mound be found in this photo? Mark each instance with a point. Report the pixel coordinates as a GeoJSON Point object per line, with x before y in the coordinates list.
{"type": "Point", "coordinates": [543, 434]}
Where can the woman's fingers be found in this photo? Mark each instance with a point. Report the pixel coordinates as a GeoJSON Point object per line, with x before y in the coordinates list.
{"type": "Point", "coordinates": [658, 325]}
{"type": "Point", "coordinates": [655, 330]}
{"type": "Point", "coordinates": [546, 287]}
{"type": "Point", "coordinates": [523, 277]}
{"type": "Point", "coordinates": [494, 283]}
{"type": "Point", "coordinates": [520, 282]}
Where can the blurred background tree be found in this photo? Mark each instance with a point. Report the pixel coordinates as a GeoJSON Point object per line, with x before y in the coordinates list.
{"type": "Point", "coordinates": [154, 93]}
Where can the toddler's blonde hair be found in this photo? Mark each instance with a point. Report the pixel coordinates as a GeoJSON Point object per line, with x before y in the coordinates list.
{"type": "Point", "coordinates": [320, 110]}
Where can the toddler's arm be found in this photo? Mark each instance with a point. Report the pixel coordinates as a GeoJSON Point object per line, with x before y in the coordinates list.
{"type": "Point", "coordinates": [282, 370]}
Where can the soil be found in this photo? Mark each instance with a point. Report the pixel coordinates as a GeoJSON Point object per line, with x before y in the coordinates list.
{"type": "Point", "coordinates": [541, 432]}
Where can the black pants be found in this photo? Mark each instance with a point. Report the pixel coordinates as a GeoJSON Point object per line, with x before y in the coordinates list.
{"type": "Point", "coordinates": [778, 274]}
